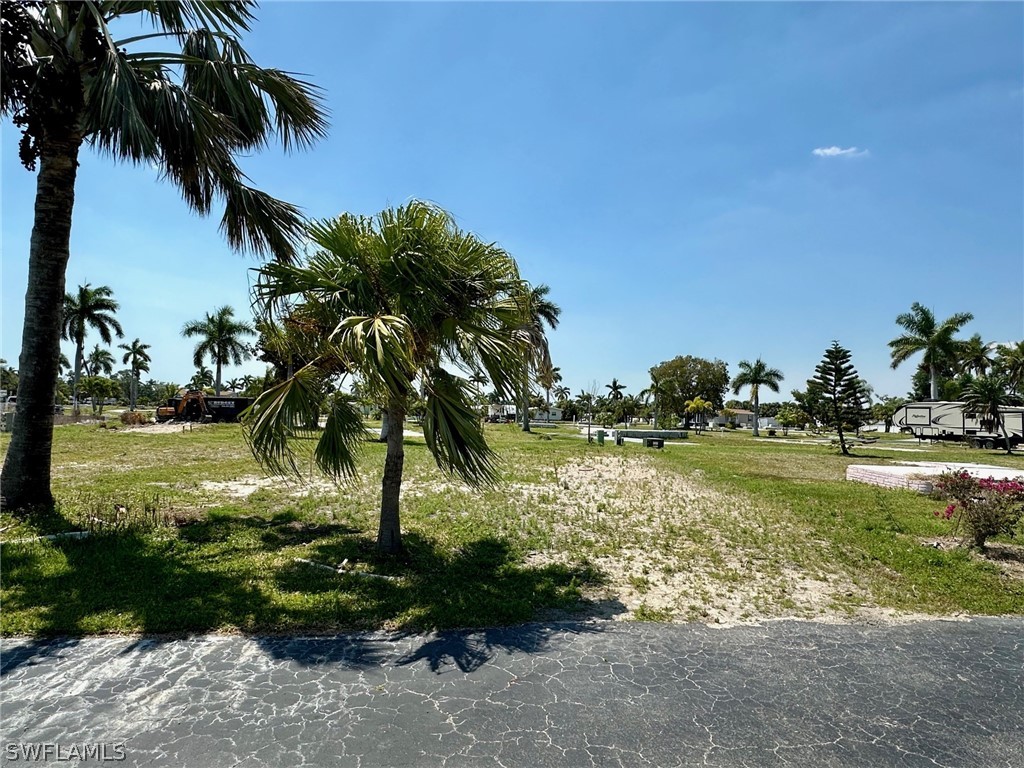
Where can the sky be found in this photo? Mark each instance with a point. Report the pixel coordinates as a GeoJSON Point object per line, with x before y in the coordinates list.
{"type": "Point", "coordinates": [724, 180]}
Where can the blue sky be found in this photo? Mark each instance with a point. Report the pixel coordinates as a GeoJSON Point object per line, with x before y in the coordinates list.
{"type": "Point", "coordinates": [653, 163]}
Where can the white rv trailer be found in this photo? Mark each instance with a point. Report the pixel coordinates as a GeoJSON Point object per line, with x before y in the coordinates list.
{"type": "Point", "coordinates": [947, 420]}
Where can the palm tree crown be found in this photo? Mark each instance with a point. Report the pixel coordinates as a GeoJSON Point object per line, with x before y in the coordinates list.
{"type": "Point", "coordinates": [90, 308]}
{"type": "Point", "coordinates": [100, 361]}
{"type": "Point", "coordinates": [755, 376]}
{"type": "Point", "coordinates": [616, 388]}
{"type": "Point", "coordinates": [974, 356]}
{"type": "Point", "coordinates": [404, 299]}
{"type": "Point", "coordinates": [1010, 359]}
{"type": "Point", "coordinates": [136, 356]}
{"type": "Point", "coordinates": [201, 379]}
{"type": "Point", "coordinates": [924, 334]}
{"type": "Point", "coordinates": [220, 340]}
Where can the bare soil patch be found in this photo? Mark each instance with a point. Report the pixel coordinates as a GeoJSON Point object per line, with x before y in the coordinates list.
{"type": "Point", "coordinates": [673, 546]}
{"type": "Point", "coordinates": [165, 428]}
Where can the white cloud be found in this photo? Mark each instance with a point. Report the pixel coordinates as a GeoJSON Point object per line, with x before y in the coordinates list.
{"type": "Point", "coordinates": [839, 152]}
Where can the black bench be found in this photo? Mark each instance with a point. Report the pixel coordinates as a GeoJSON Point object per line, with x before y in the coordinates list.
{"type": "Point", "coordinates": [654, 442]}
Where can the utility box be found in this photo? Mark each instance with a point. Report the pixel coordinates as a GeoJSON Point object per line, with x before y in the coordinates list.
{"type": "Point", "coordinates": [620, 440]}
{"type": "Point", "coordinates": [600, 437]}
{"type": "Point", "coordinates": [654, 442]}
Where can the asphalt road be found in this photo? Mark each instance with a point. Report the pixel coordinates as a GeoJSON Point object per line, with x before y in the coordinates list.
{"type": "Point", "coordinates": [936, 693]}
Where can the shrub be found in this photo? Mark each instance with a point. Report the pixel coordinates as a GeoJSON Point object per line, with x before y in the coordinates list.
{"type": "Point", "coordinates": [983, 506]}
{"type": "Point", "coordinates": [134, 418]}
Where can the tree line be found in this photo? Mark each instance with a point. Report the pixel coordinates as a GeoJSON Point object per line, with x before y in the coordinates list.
{"type": "Point", "coordinates": [687, 390]}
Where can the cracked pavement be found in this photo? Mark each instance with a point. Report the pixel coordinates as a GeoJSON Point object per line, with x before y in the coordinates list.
{"type": "Point", "coordinates": [931, 693]}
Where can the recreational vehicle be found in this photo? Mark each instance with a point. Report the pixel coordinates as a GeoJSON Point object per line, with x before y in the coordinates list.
{"type": "Point", "coordinates": [948, 420]}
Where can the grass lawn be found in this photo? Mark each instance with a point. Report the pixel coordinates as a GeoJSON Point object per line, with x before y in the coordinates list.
{"type": "Point", "coordinates": [188, 535]}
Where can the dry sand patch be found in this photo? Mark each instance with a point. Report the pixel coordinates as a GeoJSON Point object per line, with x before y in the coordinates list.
{"type": "Point", "coordinates": [673, 545]}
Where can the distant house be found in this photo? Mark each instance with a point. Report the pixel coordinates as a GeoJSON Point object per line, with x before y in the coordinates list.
{"type": "Point", "coordinates": [501, 412]}
{"type": "Point", "coordinates": [543, 414]}
{"type": "Point", "coordinates": [738, 416]}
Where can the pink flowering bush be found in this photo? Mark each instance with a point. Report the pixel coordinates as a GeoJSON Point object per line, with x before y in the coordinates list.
{"type": "Point", "coordinates": [984, 507]}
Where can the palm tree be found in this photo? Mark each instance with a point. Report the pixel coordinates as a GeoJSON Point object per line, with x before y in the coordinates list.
{"type": "Point", "coordinates": [220, 336]}
{"type": "Point", "coordinates": [405, 293]}
{"type": "Point", "coordinates": [547, 378]}
{"type": "Point", "coordinates": [661, 389]}
{"type": "Point", "coordinates": [479, 381]}
{"type": "Point", "coordinates": [699, 407]}
{"type": "Point", "coordinates": [87, 308]}
{"type": "Point", "coordinates": [202, 378]}
{"type": "Point", "coordinates": [1010, 362]}
{"type": "Point", "coordinates": [987, 396]}
{"type": "Point", "coordinates": [541, 312]}
{"type": "Point", "coordinates": [616, 389]}
{"type": "Point", "coordinates": [974, 356]}
{"type": "Point", "coordinates": [561, 393]}
{"type": "Point", "coordinates": [924, 334]}
{"type": "Point", "coordinates": [68, 81]}
{"type": "Point", "coordinates": [137, 359]}
{"type": "Point", "coordinates": [233, 385]}
{"type": "Point", "coordinates": [99, 362]}
{"type": "Point", "coordinates": [755, 376]}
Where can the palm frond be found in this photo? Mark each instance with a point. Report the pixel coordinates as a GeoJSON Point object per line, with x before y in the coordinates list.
{"type": "Point", "coordinates": [342, 437]}
{"type": "Point", "coordinates": [380, 348]}
{"type": "Point", "coordinates": [904, 347]}
{"type": "Point", "coordinates": [256, 222]}
{"type": "Point", "coordinates": [232, 16]}
{"type": "Point", "coordinates": [452, 430]}
{"type": "Point", "coordinates": [277, 424]}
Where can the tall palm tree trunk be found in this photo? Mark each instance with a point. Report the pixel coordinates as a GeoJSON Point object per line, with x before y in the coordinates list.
{"type": "Point", "coordinates": [757, 411]}
{"type": "Point", "coordinates": [26, 471]}
{"type": "Point", "coordinates": [389, 534]}
{"type": "Point", "coordinates": [1006, 435]}
{"type": "Point", "coordinates": [76, 408]}
{"type": "Point", "coordinates": [525, 401]}
{"type": "Point", "coordinates": [133, 391]}
{"type": "Point", "coordinates": [934, 380]}
{"type": "Point", "coordinates": [216, 384]}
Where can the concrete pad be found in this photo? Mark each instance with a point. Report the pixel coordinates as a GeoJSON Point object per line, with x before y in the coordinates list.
{"type": "Point", "coordinates": [920, 475]}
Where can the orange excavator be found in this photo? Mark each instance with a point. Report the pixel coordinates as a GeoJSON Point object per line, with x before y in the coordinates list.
{"type": "Point", "coordinates": [196, 405]}
{"type": "Point", "coordinates": [190, 406]}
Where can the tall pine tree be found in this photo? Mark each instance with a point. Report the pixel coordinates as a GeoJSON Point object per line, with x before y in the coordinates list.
{"type": "Point", "coordinates": [842, 391]}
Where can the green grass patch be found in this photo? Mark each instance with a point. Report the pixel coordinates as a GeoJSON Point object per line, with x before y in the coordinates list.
{"type": "Point", "coordinates": [188, 536]}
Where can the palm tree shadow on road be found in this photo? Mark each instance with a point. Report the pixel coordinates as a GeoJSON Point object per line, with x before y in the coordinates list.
{"type": "Point", "coordinates": [171, 595]}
